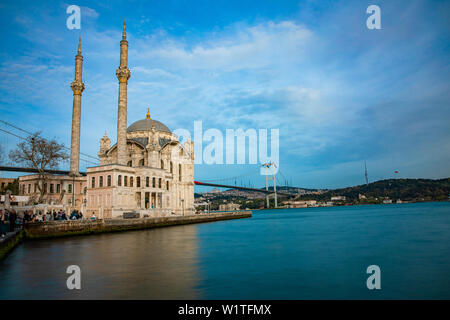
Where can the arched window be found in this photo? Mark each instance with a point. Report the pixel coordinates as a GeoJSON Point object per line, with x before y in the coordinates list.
{"type": "Point", "coordinates": [131, 181]}
{"type": "Point", "coordinates": [167, 185]}
{"type": "Point", "coordinates": [159, 183]}
{"type": "Point", "coordinates": [109, 180]}
{"type": "Point", "coordinates": [125, 181]}
{"type": "Point", "coordinates": [119, 180]}
{"type": "Point", "coordinates": [179, 172]}
{"type": "Point", "coordinates": [93, 182]}
{"type": "Point", "coordinates": [138, 182]}
{"type": "Point", "coordinates": [100, 181]}
{"type": "Point", "coordinates": [154, 182]}
{"type": "Point", "coordinates": [162, 164]}
{"type": "Point", "coordinates": [171, 167]}
{"type": "Point", "coordinates": [147, 182]}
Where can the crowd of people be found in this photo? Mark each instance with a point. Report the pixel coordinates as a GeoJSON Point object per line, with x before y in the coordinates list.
{"type": "Point", "coordinates": [11, 221]}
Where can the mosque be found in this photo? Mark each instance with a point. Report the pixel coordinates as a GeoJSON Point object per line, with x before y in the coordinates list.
{"type": "Point", "coordinates": [148, 170]}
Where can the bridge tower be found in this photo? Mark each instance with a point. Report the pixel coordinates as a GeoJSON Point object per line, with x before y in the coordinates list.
{"type": "Point", "coordinates": [77, 87]}
{"type": "Point", "coordinates": [273, 178]}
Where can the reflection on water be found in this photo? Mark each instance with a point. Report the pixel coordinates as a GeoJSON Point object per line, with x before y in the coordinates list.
{"type": "Point", "coordinates": [150, 264]}
{"type": "Point", "coordinates": [314, 253]}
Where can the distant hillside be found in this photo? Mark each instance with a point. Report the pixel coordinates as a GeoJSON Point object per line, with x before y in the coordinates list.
{"type": "Point", "coordinates": [404, 189]}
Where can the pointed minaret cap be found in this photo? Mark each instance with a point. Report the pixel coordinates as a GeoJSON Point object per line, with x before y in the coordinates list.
{"type": "Point", "coordinates": [79, 45]}
{"type": "Point", "coordinates": [124, 33]}
{"type": "Point", "coordinates": [148, 113]}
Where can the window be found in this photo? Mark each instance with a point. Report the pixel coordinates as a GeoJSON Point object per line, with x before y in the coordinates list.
{"type": "Point", "coordinates": [119, 180]}
{"type": "Point", "coordinates": [58, 188]}
{"type": "Point", "coordinates": [167, 185]}
{"type": "Point", "coordinates": [141, 162]}
{"type": "Point", "coordinates": [171, 167]}
{"type": "Point", "coordinates": [147, 182]}
{"type": "Point", "coordinates": [69, 188]}
{"type": "Point", "coordinates": [131, 181]}
{"type": "Point", "coordinates": [93, 182]}
{"type": "Point", "coordinates": [45, 188]}
{"type": "Point", "coordinates": [100, 181]}
{"type": "Point", "coordinates": [51, 188]}
{"type": "Point", "coordinates": [125, 181]}
{"type": "Point", "coordinates": [129, 163]}
{"type": "Point", "coordinates": [179, 172]}
{"type": "Point", "coordinates": [159, 183]}
{"type": "Point", "coordinates": [138, 182]}
{"type": "Point", "coordinates": [35, 187]}
{"type": "Point", "coordinates": [29, 188]}
{"type": "Point", "coordinates": [162, 164]}
{"type": "Point", "coordinates": [109, 180]}
{"type": "Point", "coordinates": [154, 182]}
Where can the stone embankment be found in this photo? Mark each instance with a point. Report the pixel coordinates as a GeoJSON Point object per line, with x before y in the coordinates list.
{"type": "Point", "coordinates": [81, 227]}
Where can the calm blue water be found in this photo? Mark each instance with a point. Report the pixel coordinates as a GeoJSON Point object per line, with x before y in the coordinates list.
{"type": "Point", "coordinates": [316, 253]}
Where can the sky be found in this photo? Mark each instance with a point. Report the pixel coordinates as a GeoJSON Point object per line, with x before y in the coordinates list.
{"type": "Point", "coordinates": [339, 93]}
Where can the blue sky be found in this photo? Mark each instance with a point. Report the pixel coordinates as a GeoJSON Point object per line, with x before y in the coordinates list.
{"type": "Point", "coordinates": [338, 92]}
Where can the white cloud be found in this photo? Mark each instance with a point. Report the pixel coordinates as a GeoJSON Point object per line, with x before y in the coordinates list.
{"type": "Point", "coordinates": [89, 12]}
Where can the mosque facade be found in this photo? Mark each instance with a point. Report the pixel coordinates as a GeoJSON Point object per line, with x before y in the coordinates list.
{"type": "Point", "coordinates": [148, 170]}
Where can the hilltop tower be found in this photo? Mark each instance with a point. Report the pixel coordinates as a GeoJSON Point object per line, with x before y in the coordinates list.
{"type": "Point", "coordinates": [123, 74]}
{"type": "Point", "coordinates": [365, 173]}
{"type": "Point", "coordinates": [77, 87]}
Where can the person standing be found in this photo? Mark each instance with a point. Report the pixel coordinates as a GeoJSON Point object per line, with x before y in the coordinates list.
{"type": "Point", "coordinates": [12, 221]}
{"type": "Point", "coordinates": [2, 224]}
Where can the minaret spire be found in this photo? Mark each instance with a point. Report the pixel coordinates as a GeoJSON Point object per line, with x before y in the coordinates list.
{"type": "Point", "coordinates": [79, 45]}
{"type": "Point", "coordinates": [124, 32]}
{"type": "Point", "coordinates": [77, 87]}
{"type": "Point", "coordinates": [123, 74]}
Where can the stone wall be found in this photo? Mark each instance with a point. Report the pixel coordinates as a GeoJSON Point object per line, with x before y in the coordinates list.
{"type": "Point", "coordinates": [81, 227]}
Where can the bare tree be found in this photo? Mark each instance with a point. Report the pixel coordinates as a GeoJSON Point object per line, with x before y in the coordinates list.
{"type": "Point", "coordinates": [40, 154]}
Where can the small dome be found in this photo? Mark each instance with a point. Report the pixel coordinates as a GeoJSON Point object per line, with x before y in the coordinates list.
{"type": "Point", "coordinates": [146, 125]}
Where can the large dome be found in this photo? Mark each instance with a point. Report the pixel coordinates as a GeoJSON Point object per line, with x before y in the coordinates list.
{"type": "Point", "coordinates": [146, 125]}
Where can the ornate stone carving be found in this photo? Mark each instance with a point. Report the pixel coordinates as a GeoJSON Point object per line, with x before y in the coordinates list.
{"type": "Point", "coordinates": [77, 87]}
{"type": "Point", "coordinates": [123, 74]}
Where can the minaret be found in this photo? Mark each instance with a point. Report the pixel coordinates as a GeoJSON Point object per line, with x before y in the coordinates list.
{"type": "Point", "coordinates": [123, 74]}
{"type": "Point", "coordinates": [77, 87]}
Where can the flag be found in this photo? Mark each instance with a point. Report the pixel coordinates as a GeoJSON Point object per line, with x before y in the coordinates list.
{"type": "Point", "coordinates": [395, 171]}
